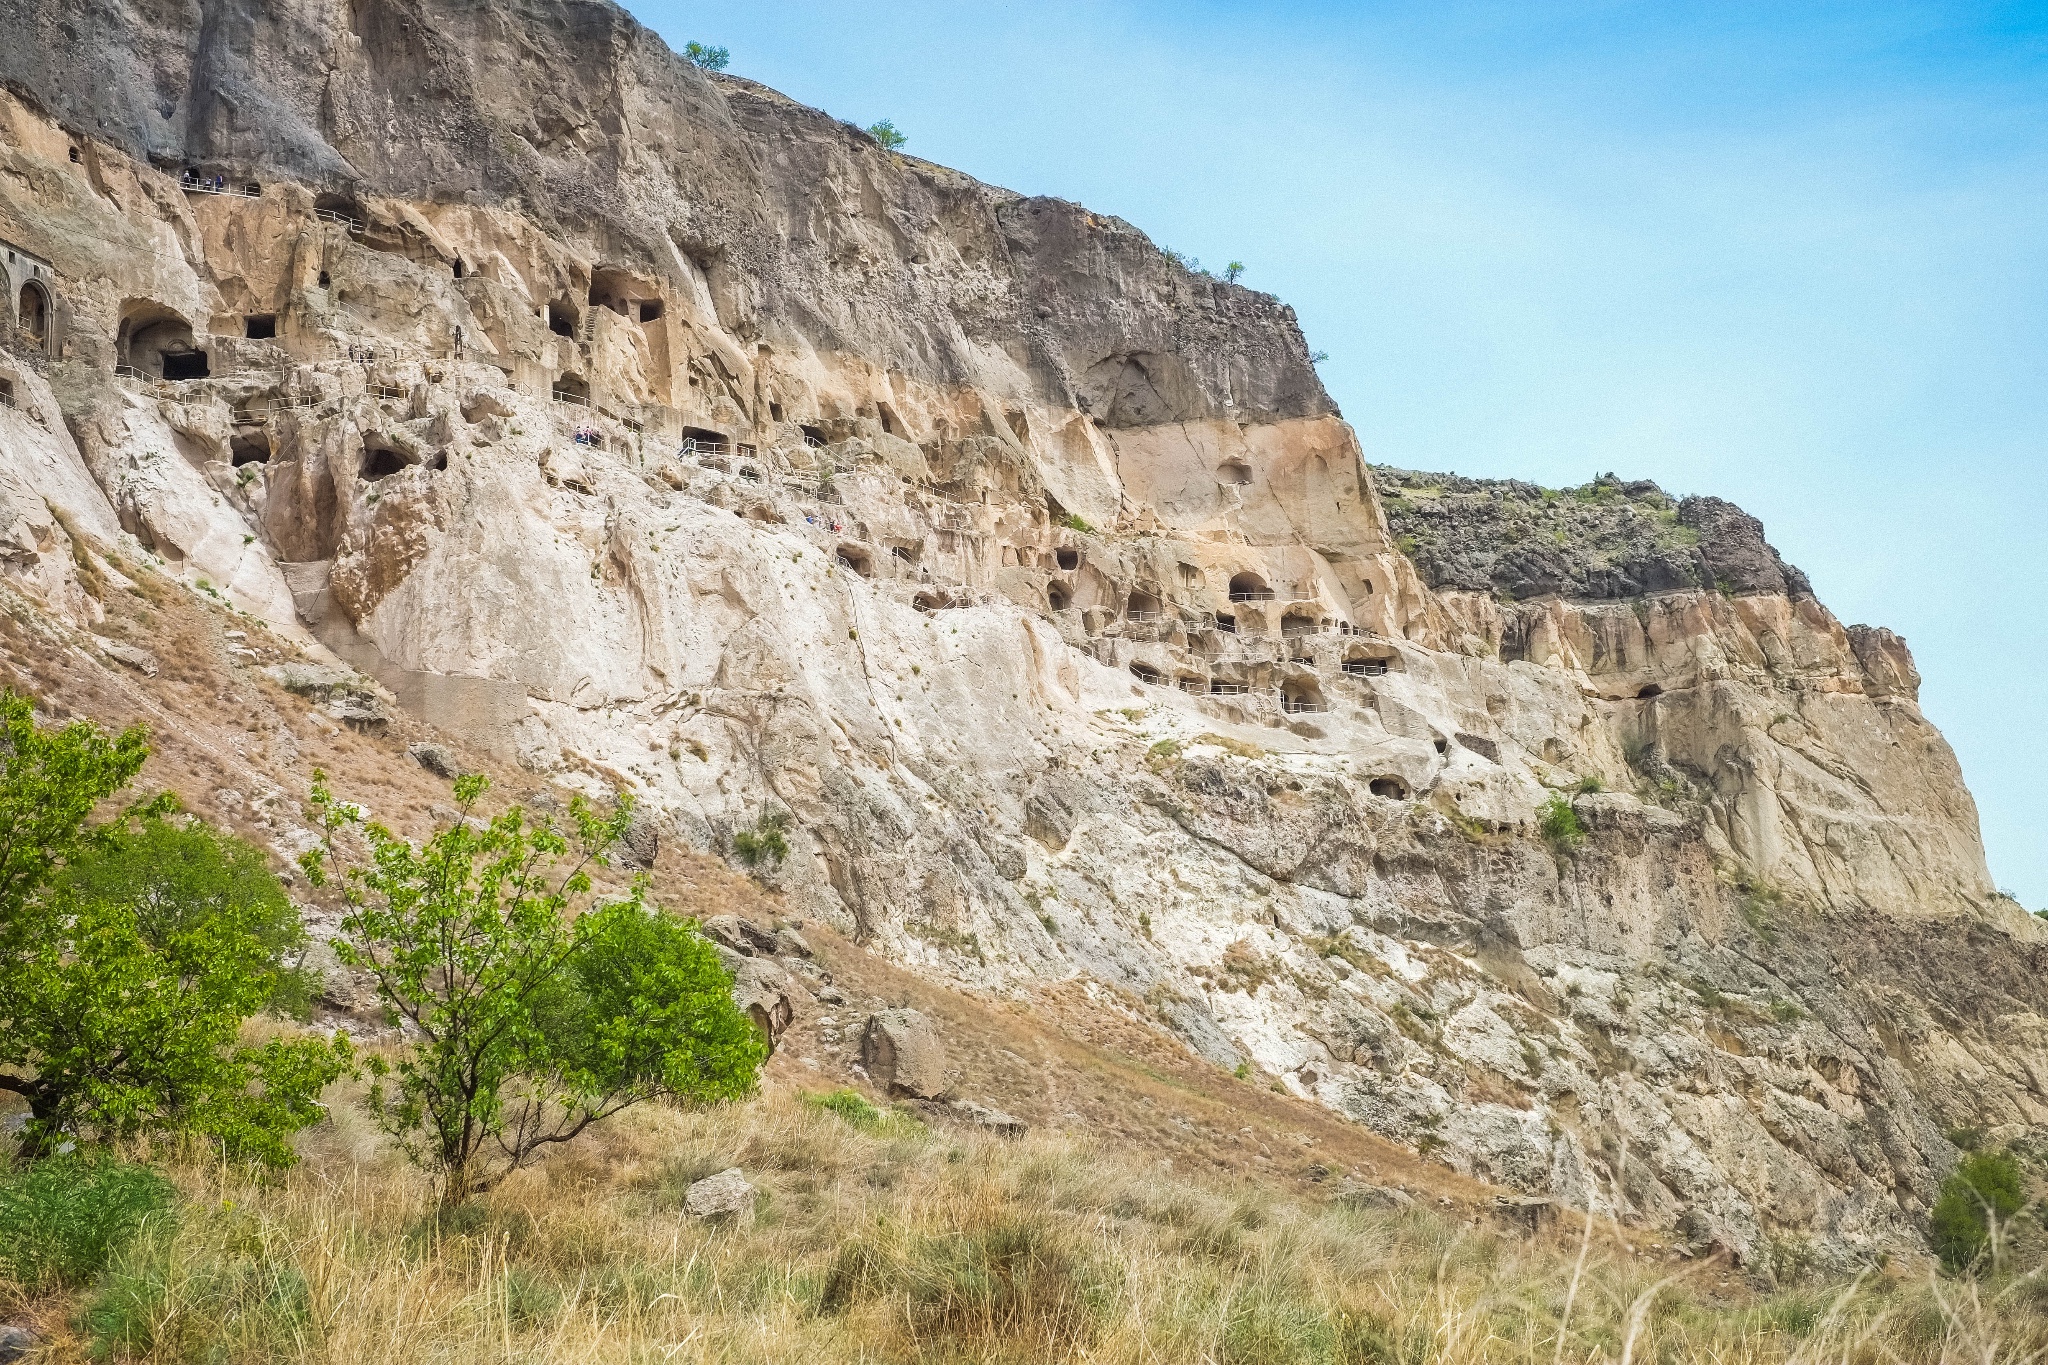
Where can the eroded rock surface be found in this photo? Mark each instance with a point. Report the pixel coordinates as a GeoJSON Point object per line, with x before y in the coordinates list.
{"type": "Point", "coordinates": [663, 436]}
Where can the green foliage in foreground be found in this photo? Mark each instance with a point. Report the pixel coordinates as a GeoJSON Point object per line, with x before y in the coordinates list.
{"type": "Point", "coordinates": [539, 1010]}
{"type": "Point", "coordinates": [63, 1220]}
{"type": "Point", "coordinates": [1982, 1195]}
{"type": "Point", "coordinates": [767, 842]}
{"type": "Point", "coordinates": [887, 133]}
{"type": "Point", "coordinates": [131, 953]}
{"type": "Point", "coordinates": [1560, 824]}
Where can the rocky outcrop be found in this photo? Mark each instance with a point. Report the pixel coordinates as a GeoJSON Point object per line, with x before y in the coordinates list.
{"type": "Point", "coordinates": [902, 1053]}
{"type": "Point", "coordinates": [1003, 594]}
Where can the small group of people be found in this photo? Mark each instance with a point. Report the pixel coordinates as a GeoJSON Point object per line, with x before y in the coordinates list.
{"type": "Point", "coordinates": [588, 436]}
{"type": "Point", "coordinates": [362, 354]}
{"type": "Point", "coordinates": [811, 519]}
{"type": "Point", "coordinates": [193, 180]}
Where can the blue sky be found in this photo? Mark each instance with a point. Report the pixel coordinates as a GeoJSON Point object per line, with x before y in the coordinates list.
{"type": "Point", "coordinates": [1794, 255]}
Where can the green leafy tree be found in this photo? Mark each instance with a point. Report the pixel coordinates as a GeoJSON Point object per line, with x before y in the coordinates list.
{"type": "Point", "coordinates": [131, 953]}
{"type": "Point", "coordinates": [706, 58]}
{"type": "Point", "coordinates": [887, 133]}
{"type": "Point", "coordinates": [1233, 271]}
{"type": "Point", "coordinates": [538, 1009]}
{"type": "Point", "coordinates": [1975, 1202]}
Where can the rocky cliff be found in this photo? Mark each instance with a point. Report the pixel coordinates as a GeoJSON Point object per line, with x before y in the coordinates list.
{"type": "Point", "coordinates": [655, 433]}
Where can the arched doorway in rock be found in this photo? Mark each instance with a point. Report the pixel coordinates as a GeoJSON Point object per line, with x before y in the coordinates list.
{"type": "Point", "coordinates": [854, 558]}
{"type": "Point", "coordinates": [155, 341]}
{"type": "Point", "coordinates": [1058, 597]}
{"type": "Point", "coordinates": [1296, 624]}
{"type": "Point", "coordinates": [1148, 675]}
{"type": "Point", "coordinates": [381, 459]}
{"type": "Point", "coordinates": [35, 312]}
{"type": "Point", "coordinates": [1144, 606]}
{"type": "Point", "coordinates": [1249, 587]}
{"type": "Point", "coordinates": [1298, 695]}
{"type": "Point", "coordinates": [570, 388]}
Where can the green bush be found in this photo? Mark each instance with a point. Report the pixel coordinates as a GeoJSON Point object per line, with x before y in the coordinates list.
{"type": "Point", "coordinates": [538, 1009]}
{"type": "Point", "coordinates": [1985, 1187]}
{"type": "Point", "coordinates": [887, 133]}
{"type": "Point", "coordinates": [706, 58]}
{"type": "Point", "coordinates": [767, 842]}
{"type": "Point", "coordinates": [131, 953]}
{"type": "Point", "coordinates": [1560, 824]}
{"type": "Point", "coordinates": [62, 1220]}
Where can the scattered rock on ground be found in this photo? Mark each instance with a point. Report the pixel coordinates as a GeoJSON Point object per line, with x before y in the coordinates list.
{"type": "Point", "coordinates": [1359, 1195]}
{"type": "Point", "coordinates": [744, 937]}
{"type": "Point", "coordinates": [995, 1120]}
{"type": "Point", "coordinates": [719, 1196]}
{"type": "Point", "coordinates": [141, 660]}
{"type": "Point", "coordinates": [15, 1342]}
{"type": "Point", "coordinates": [761, 988]}
{"type": "Point", "coordinates": [434, 758]}
{"type": "Point", "coordinates": [901, 1050]}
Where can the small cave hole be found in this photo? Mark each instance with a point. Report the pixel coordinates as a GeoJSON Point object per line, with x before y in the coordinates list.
{"type": "Point", "coordinates": [814, 437]}
{"type": "Point", "coordinates": [75, 157]}
{"type": "Point", "coordinates": [775, 412]}
{"type": "Point", "coordinates": [703, 441]}
{"type": "Point", "coordinates": [438, 460]}
{"type": "Point", "coordinates": [1057, 597]}
{"type": "Point", "coordinates": [1393, 788]}
{"type": "Point", "coordinates": [325, 279]}
{"type": "Point", "coordinates": [260, 326]}
{"type": "Point", "coordinates": [562, 318]}
{"type": "Point", "coordinates": [891, 424]}
{"type": "Point", "coordinates": [854, 558]}
{"type": "Point", "coordinates": [249, 448]}
{"type": "Point", "coordinates": [1068, 560]}
{"type": "Point", "coordinates": [460, 268]}
{"type": "Point", "coordinates": [651, 311]}
{"type": "Point", "coordinates": [380, 461]}
{"type": "Point", "coordinates": [1226, 623]}
{"type": "Point", "coordinates": [1652, 690]}
{"type": "Point", "coordinates": [570, 388]}
{"type": "Point", "coordinates": [1143, 606]}
{"type": "Point", "coordinates": [1234, 472]}
{"type": "Point", "coordinates": [6, 393]}
{"type": "Point", "coordinates": [1147, 675]}
{"type": "Point", "coordinates": [1443, 746]}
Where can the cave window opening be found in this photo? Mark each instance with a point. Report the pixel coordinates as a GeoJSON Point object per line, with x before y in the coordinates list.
{"type": "Point", "coordinates": [1220, 688]}
{"type": "Point", "coordinates": [251, 448]}
{"type": "Point", "coordinates": [252, 189]}
{"type": "Point", "coordinates": [1652, 690]}
{"type": "Point", "coordinates": [562, 319]}
{"type": "Point", "coordinates": [903, 554]}
{"type": "Point", "coordinates": [459, 268]}
{"type": "Point", "coordinates": [75, 157]}
{"type": "Point", "coordinates": [570, 388]}
{"type": "Point", "coordinates": [814, 437]}
{"type": "Point", "coordinates": [1365, 667]}
{"type": "Point", "coordinates": [1393, 788]}
{"type": "Point", "coordinates": [1235, 473]}
{"type": "Point", "coordinates": [775, 412]}
{"type": "Point", "coordinates": [855, 560]}
{"type": "Point", "coordinates": [1143, 607]}
{"type": "Point", "coordinates": [438, 461]}
{"type": "Point", "coordinates": [260, 326]}
{"type": "Point", "coordinates": [651, 310]}
{"type": "Point", "coordinates": [183, 365]}
{"type": "Point", "coordinates": [380, 461]}
{"type": "Point", "coordinates": [703, 441]}
{"type": "Point", "coordinates": [325, 279]}
{"type": "Point", "coordinates": [6, 393]}
{"type": "Point", "coordinates": [1148, 675]}
{"type": "Point", "coordinates": [1443, 746]}
{"type": "Point", "coordinates": [1068, 560]}
{"type": "Point", "coordinates": [1249, 587]}
{"type": "Point", "coordinates": [1056, 597]}
{"type": "Point", "coordinates": [1226, 623]}
{"type": "Point", "coordinates": [1294, 625]}
{"type": "Point", "coordinates": [891, 424]}
{"type": "Point", "coordinates": [1192, 685]}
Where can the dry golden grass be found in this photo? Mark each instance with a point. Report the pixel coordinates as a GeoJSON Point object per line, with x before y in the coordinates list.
{"type": "Point", "coordinates": [892, 1241]}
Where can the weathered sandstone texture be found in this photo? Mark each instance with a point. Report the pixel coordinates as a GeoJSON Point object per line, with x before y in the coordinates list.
{"type": "Point", "coordinates": [672, 438]}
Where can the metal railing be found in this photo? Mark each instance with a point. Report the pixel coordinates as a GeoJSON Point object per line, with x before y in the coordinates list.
{"type": "Point", "coordinates": [1366, 668]}
{"type": "Point", "coordinates": [338, 219]}
{"type": "Point", "coordinates": [246, 190]}
{"type": "Point", "coordinates": [387, 391]}
{"type": "Point", "coordinates": [563, 396]}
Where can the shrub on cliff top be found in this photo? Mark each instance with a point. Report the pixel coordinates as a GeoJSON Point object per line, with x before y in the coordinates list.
{"type": "Point", "coordinates": [706, 58]}
{"type": "Point", "coordinates": [888, 134]}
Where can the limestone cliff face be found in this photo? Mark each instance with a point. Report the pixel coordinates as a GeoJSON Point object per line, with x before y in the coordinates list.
{"type": "Point", "coordinates": [668, 436]}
